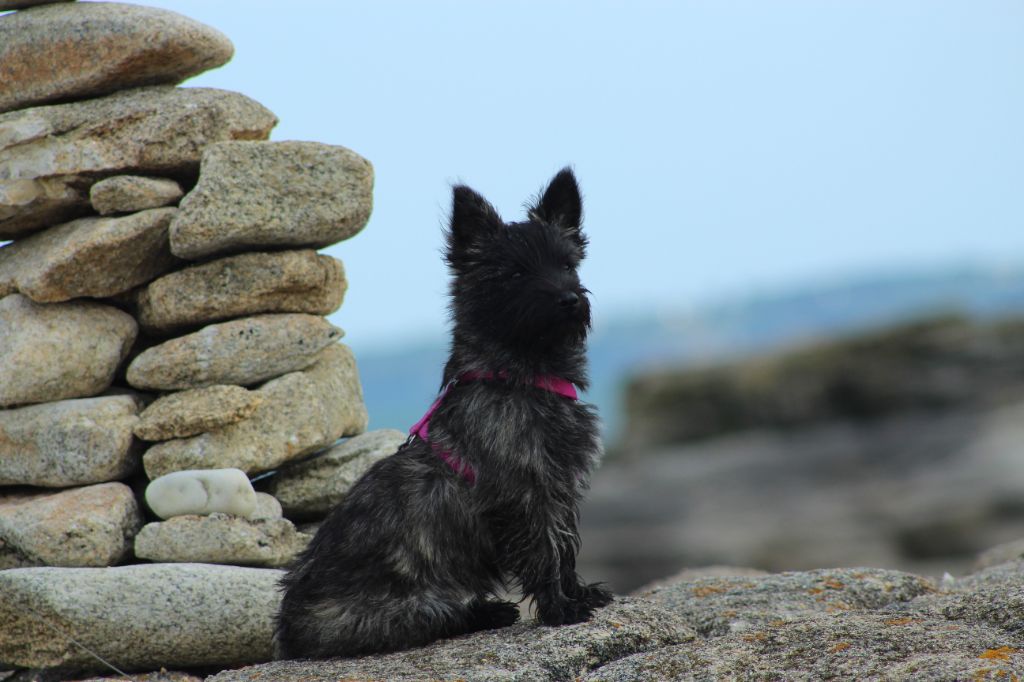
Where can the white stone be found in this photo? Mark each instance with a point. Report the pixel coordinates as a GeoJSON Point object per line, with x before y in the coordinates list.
{"type": "Point", "coordinates": [202, 491]}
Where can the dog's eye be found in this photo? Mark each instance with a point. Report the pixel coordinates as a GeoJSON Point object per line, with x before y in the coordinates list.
{"type": "Point", "coordinates": [568, 266]}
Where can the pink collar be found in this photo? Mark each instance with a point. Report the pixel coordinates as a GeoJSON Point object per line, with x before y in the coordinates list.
{"type": "Point", "coordinates": [562, 387]}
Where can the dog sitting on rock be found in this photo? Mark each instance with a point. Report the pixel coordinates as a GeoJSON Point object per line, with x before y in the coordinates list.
{"type": "Point", "coordinates": [485, 493]}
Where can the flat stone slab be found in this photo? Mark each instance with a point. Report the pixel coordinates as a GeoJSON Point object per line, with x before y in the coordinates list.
{"type": "Point", "coordinates": [247, 284]}
{"type": "Point", "coordinates": [301, 413]}
{"type": "Point", "coordinates": [524, 651]}
{"type": "Point", "coordinates": [51, 155]}
{"type": "Point", "coordinates": [89, 257]}
{"type": "Point", "coordinates": [141, 617]}
{"type": "Point", "coordinates": [129, 193]}
{"type": "Point", "coordinates": [311, 488]}
{"type": "Point", "coordinates": [91, 526]}
{"type": "Point", "coordinates": [221, 539]}
{"type": "Point", "coordinates": [195, 411]}
{"type": "Point", "coordinates": [81, 50]}
{"type": "Point", "coordinates": [202, 491]}
{"type": "Point", "coordinates": [59, 350]}
{"type": "Point", "coordinates": [281, 194]}
{"type": "Point", "coordinates": [68, 443]}
{"type": "Point", "coordinates": [244, 351]}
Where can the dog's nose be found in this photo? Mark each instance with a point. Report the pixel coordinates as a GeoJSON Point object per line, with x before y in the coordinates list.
{"type": "Point", "coordinates": [568, 299]}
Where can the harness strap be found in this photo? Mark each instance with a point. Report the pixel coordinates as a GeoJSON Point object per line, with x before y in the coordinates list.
{"type": "Point", "coordinates": [463, 468]}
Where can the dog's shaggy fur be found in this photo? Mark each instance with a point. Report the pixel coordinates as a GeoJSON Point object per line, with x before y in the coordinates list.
{"type": "Point", "coordinates": [416, 552]}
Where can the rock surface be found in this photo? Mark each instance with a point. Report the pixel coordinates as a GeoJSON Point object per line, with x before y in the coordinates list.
{"type": "Point", "coordinates": [91, 526]}
{"type": "Point", "coordinates": [258, 194]}
{"type": "Point", "coordinates": [82, 50]}
{"type": "Point", "coordinates": [89, 257]}
{"type": "Point", "coordinates": [309, 489]}
{"type": "Point", "coordinates": [6, 5]}
{"type": "Point", "coordinates": [56, 351]}
{"type": "Point", "coordinates": [849, 624]}
{"type": "Point", "coordinates": [525, 651]}
{"type": "Point", "coordinates": [246, 284]}
{"type": "Point", "coordinates": [221, 539]}
{"type": "Point", "coordinates": [201, 491]}
{"type": "Point", "coordinates": [244, 351]}
{"type": "Point", "coordinates": [51, 155]}
{"type": "Point", "coordinates": [70, 442]}
{"type": "Point", "coordinates": [301, 413]}
{"type": "Point", "coordinates": [221, 616]}
{"type": "Point", "coordinates": [128, 193]}
{"type": "Point", "coordinates": [187, 413]}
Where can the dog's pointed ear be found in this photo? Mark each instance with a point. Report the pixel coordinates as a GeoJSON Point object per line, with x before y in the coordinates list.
{"type": "Point", "coordinates": [473, 218]}
{"type": "Point", "coordinates": [561, 205]}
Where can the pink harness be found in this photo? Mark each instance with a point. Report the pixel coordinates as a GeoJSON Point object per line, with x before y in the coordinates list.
{"type": "Point", "coordinates": [562, 387]}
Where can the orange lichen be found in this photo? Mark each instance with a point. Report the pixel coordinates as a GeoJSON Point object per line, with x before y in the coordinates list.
{"type": "Point", "coordinates": [901, 621]}
{"type": "Point", "coordinates": [706, 590]}
{"type": "Point", "coordinates": [834, 584]}
{"type": "Point", "coordinates": [841, 646]}
{"type": "Point", "coordinates": [1000, 654]}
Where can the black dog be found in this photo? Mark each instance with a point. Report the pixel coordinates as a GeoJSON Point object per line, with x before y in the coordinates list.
{"type": "Point", "coordinates": [486, 491]}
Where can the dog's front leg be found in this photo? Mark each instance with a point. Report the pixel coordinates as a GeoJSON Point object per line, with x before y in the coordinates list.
{"type": "Point", "coordinates": [547, 568]}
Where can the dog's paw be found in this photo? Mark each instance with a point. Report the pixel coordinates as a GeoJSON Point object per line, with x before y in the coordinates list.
{"type": "Point", "coordinates": [488, 615]}
{"type": "Point", "coordinates": [594, 595]}
{"type": "Point", "coordinates": [577, 607]}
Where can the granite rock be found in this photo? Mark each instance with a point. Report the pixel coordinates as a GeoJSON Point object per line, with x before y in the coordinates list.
{"type": "Point", "coordinates": [187, 413]}
{"type": "Point", "coordinates": [80, 50]}
{"type": "Point", "coordinates": [718, 605]}
{"type": "Point", "coordinates": [221, 539]}
{"type": "Point", "coordinates": [523, 652]}
{"type": "Point", "coordinates": [68, 443]}
{"type": "Point", "coordinates": [128, 193]}
{"type": "Point", "coordinates": [244, 351]}
{"type": "Point", "coordinates": [246, 284]}
{"type": "Point", "coordinates": [94, 257]}
{"type": "Point", "coordinates": [6, 5]}
{"type": "Point", "coordinates": [278, 194]}
{"type": "Point", "coordinates": [301, 413]}
{"type": "Point", "coordinates": [841, 646]}
{"type": "Point", "coordinates": [51, 155]}
{"type": "Point", "coordinates": [267, 507]}
{"type": "Point", "coordinates": [140, 617]}
{"type": "Point", "coordinates": [309, 489]}
{"type": "Point", "coordinates": [55, 351]}
{"type": "Point", "coordinates": [91, 526]}
{"type": "Point", "coordinates": [202, 491]}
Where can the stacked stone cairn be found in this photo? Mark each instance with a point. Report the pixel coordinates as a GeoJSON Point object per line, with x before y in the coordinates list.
{"type": "Point", "coordinates": [162, 345]}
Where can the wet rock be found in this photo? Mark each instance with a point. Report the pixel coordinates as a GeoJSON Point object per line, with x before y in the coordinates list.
{"type": "Point", "coordinates": [70, 442]}
{"type": "Point", "coordinates": [301, 413]}
{"type": "Point", "coordinates": [187, 413]}
{"type": "Point", "coordinates": [51, 155]}
{"type": "Point", "coordinates": [89, 257]}
{"type": "Point", "coordinates": [246, 284]}
{"type": "Point", "coordinates": [55, 351]}
{"type": "Point", "coordinates": [244, 351]}
{"type": "Point", "coordinates": [80, 50]}
{"type": "Point", "coordinates": [91, 526]}
{"type": "Point", "coordinates": [128, 193]}
{"type": "Point", "coordinates": [281, 194]}
{"type": "Point", "coordinates": [311, 488]}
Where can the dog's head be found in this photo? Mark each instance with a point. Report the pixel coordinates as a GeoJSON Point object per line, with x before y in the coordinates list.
{"type": "Point", "coordinates": [519, 282]}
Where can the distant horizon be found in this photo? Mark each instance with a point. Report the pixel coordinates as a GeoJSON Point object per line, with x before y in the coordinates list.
{"type": "Point", "coordinates": [431, 335]}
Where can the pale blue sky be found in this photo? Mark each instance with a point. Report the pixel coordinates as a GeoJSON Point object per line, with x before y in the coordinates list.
{"type": "Point", "coordinates": [723, 147]}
